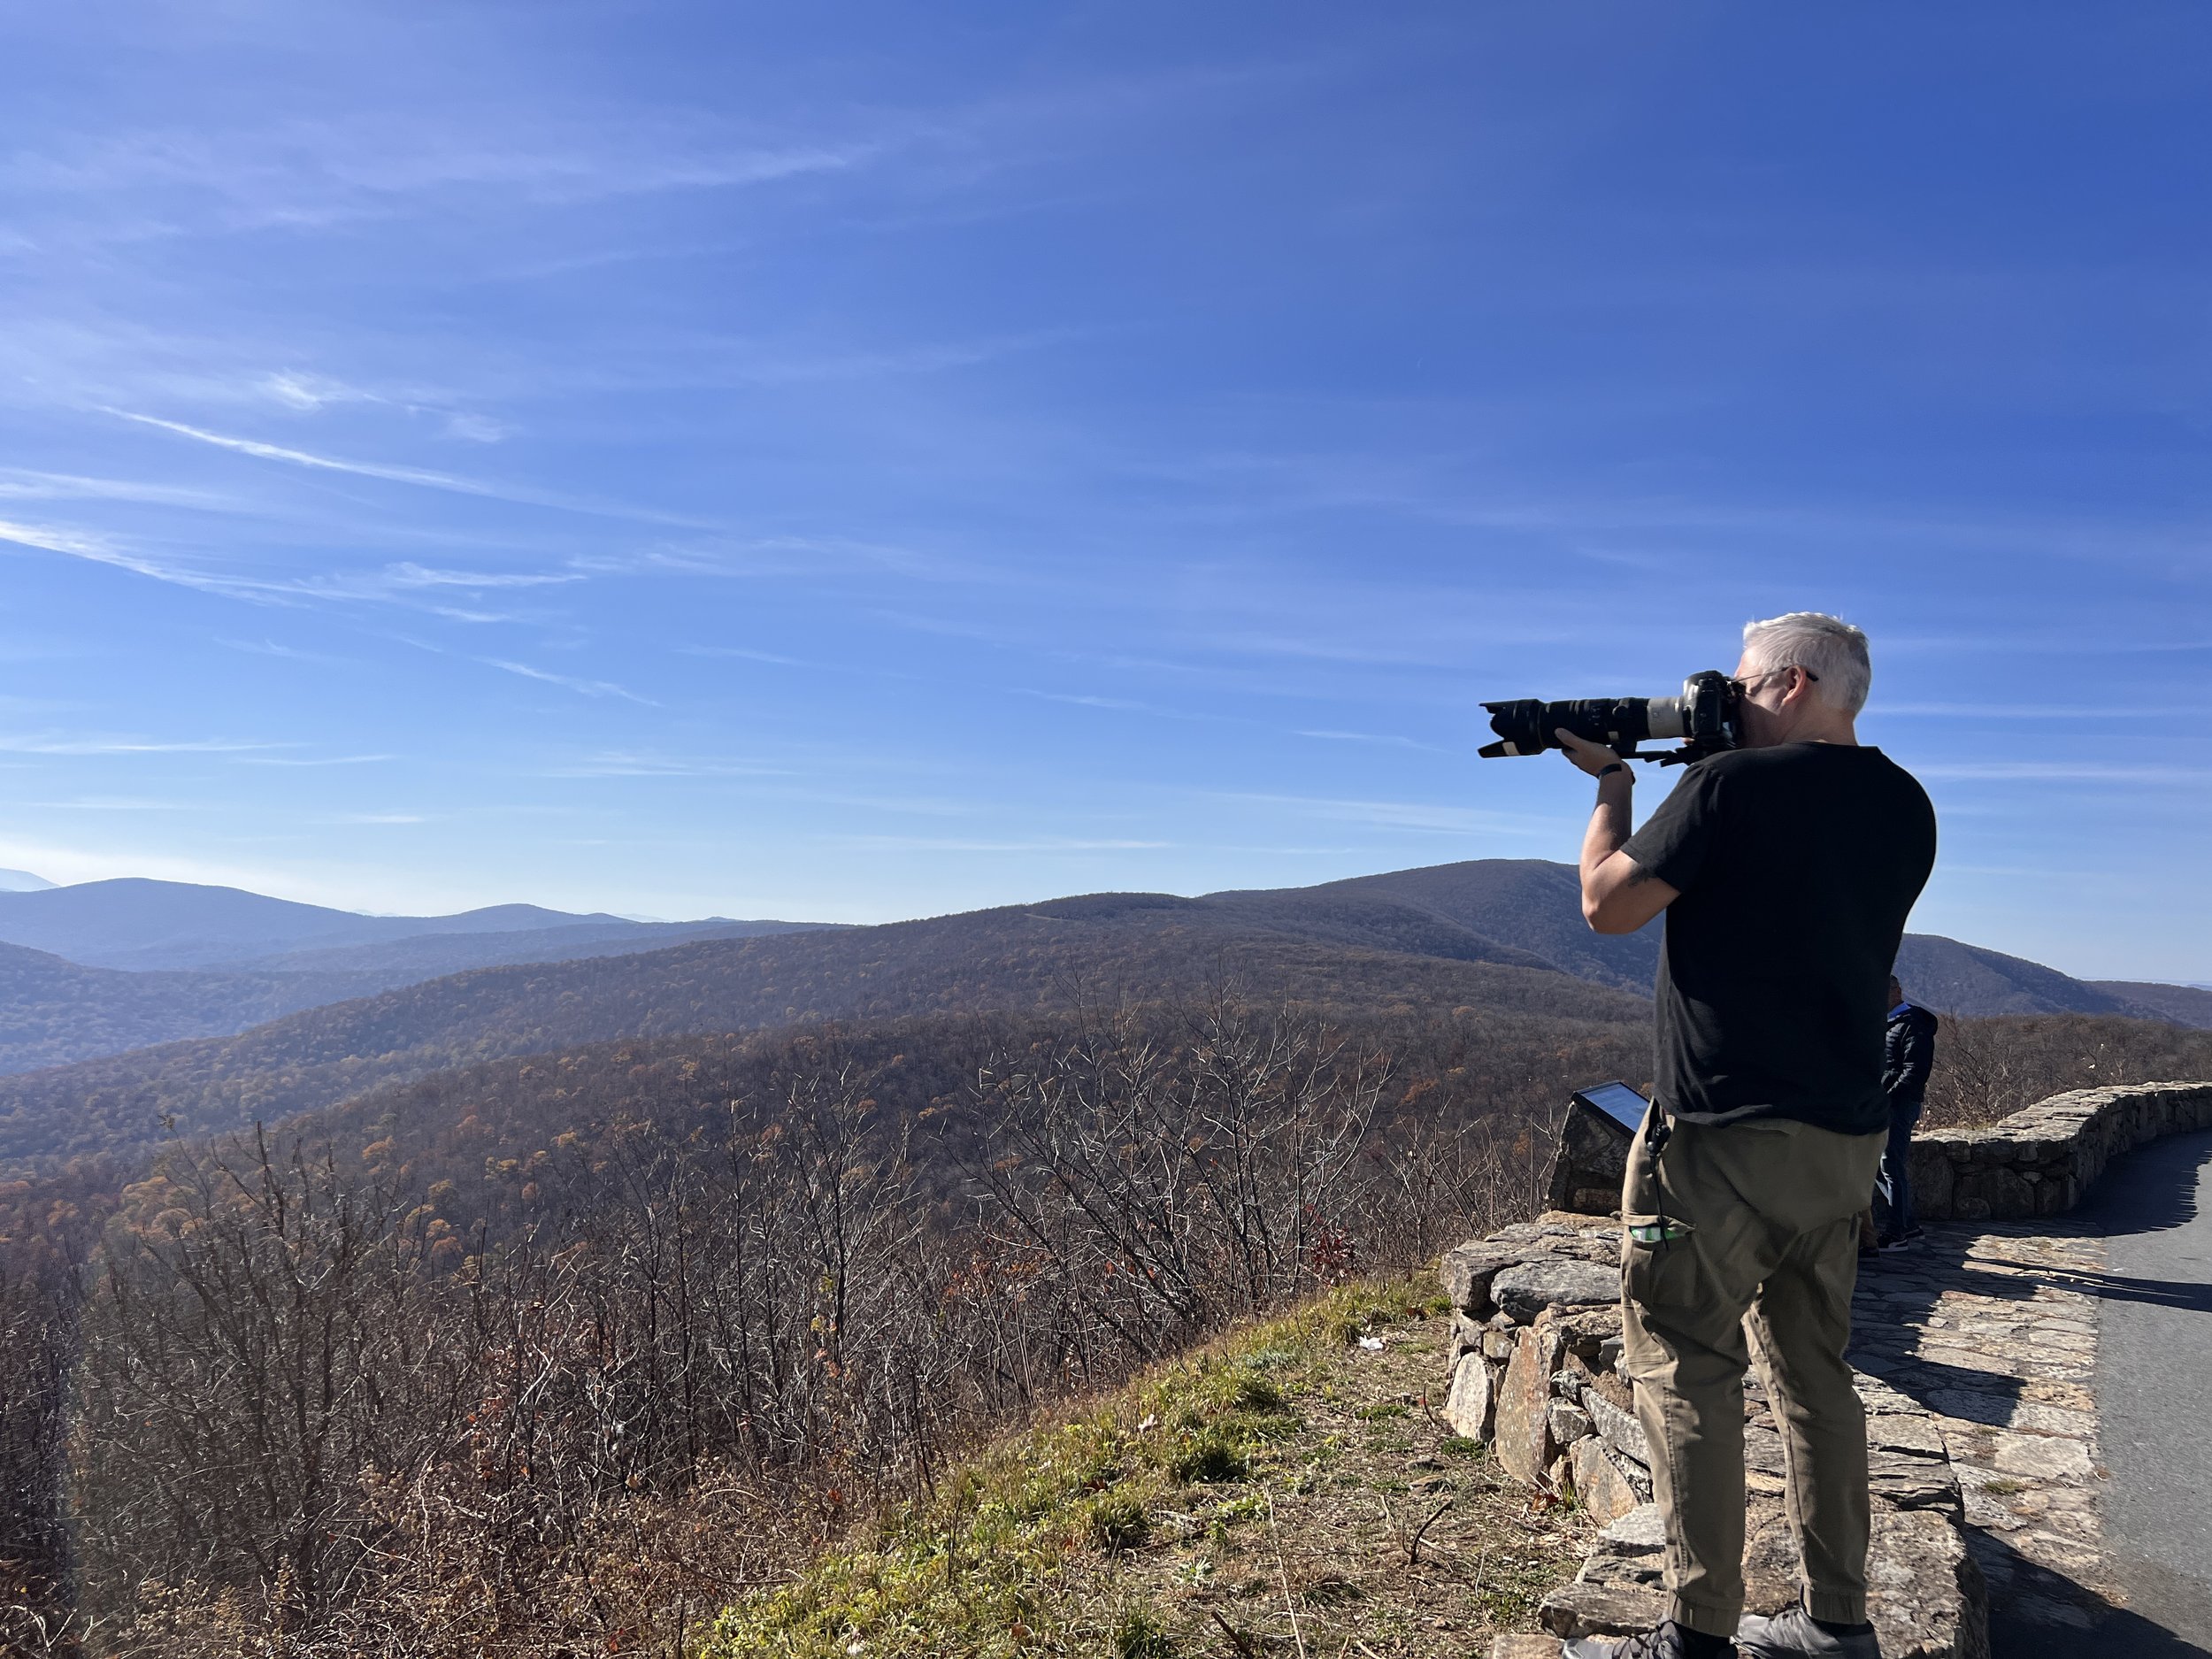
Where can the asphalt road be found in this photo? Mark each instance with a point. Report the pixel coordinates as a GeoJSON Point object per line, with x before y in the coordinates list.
{"type": "Point", "coordinates": [2154, 1385]}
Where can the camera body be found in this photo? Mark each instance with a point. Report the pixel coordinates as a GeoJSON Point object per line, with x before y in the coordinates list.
{"type": "Point", "coordinates": [1706, 717]}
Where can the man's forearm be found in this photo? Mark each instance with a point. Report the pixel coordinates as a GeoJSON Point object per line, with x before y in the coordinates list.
{"type": "Point", "coordinates": [1608, 822]}
{"type": "Point", "coordinates": [1618, 894]}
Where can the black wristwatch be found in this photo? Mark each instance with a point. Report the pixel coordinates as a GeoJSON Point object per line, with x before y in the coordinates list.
{"type": "Point", "coordinates": [1618, 765]}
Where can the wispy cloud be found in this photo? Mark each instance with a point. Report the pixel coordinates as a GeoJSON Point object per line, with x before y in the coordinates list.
{"type": "Point", "coordinates": [270, 647]}
{"type": "Point", "coordinates": [1083, 699]}
{"type": "Point", "coordinates": [101, 549]}
{"type": "Point", "coordinates": [473, 428]}
{"type": "Point", "coordinates": [926, 843]}
{"type": "Point", "coordinates": [779, 555]}
{"type": "Point", "coordinates": [634, 764]}
{"type": "Point", "coordinates": [121, 803]}
{"type": "Point", "coordinates": [1130, 705]}
{"type": "Point", "coordinates": [312, 760]}
{"type": "Point", "coordinates": [323, 463]}
{"type": "Point", "coordinates": [745, 654]}
{"type": "Point", "coordinates": [404, 582]}
{"type": "Point", "coordinates": [54, 538]}
{"type": "Point", "coordinates": [409, 575]}
{"type": "Point", "coordinates": [19, 485]}
{"type": "Point", "coordinates": [1384, 738]}
{"type": "Point", "coordinates": [310, 392]}
{"type": "Point", "coordinates": [585, 687]}
{"type": "Point", "coordinates": [305, 174]}
{"type": "Point", "coordinates": [14, 744]}
{"type": "Point", "coordinates": [377, 818]}
{"type": "Point", "coordinates": [424, 478]}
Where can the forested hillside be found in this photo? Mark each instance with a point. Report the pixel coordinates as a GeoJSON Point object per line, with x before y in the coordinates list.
{"type": "Point", "coordinates": [577, 1299]}
{"type": "Point", "coordinates": [1952, 977]}
{"type": "Point", "coordinates": [598, 1309]}
{"type": "Point", "coordinates": [2184, 1004]}
{"type": "Point", "coordinates": [1502, 934]}
{"type": "Point", "coordinates": [53, 1013]}
{"type": "Point", "coordinates": [1098, 951]}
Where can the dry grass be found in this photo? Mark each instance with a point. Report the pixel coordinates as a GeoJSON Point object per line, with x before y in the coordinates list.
{"type": "Point", "coordinates": [1371, 1530]}
{"type": "Point", "coordinates": [1285, 1492]}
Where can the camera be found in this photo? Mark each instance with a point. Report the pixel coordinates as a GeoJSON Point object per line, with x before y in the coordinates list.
{"type": "Point", "coordinates": [1704, 716]}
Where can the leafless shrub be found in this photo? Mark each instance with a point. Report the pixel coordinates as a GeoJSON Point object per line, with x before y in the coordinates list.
{"type": "Point", "coordinates": [1987, 1068]}
{"type": "Point", "coordinates": [261, 1333]}
{"type": "Point", "coordinates": [313, 1415]}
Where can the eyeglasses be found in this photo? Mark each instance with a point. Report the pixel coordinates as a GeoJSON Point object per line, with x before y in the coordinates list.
{"type": "Point", "coordinates": [1765, 673]}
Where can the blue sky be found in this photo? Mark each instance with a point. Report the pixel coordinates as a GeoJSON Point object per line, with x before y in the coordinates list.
{"type": "Point", "coordinates": [873, 461]}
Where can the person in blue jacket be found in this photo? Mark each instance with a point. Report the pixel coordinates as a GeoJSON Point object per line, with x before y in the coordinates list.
{"type": "Point", "coordinates": [1908, 1056]}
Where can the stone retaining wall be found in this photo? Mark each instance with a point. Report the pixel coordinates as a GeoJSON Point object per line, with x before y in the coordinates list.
{"type": "Point", "coordinates": [1536, 1373]}
{"type": "Point", "coordinates": [2041, 1160]}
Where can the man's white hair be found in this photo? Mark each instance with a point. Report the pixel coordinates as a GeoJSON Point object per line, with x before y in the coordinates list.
{"type": "Point", "coordinates": [1829, 647]}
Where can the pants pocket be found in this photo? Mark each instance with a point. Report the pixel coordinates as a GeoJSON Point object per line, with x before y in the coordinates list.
{"type": "Point", "coordinates": [1661, 1269]}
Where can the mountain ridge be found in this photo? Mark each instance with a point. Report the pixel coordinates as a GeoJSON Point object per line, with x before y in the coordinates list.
{"type": "Point", "coordinates": [1010, 959]}
{"type": "Point", "coordinates": [138, 924]}
{"type": "Point", "coordinates": [1501, 934]}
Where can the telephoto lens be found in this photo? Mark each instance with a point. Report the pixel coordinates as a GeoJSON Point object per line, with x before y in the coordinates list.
{"type": "Point", "coordinates": [1704, 716]}
{"type": "Point", "coordinates": [1526, 726]}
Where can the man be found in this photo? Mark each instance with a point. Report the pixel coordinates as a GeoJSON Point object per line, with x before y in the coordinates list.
{"type": "Point", "coordinates": [1787, 868]}
{"type": "Point", "coordinates": [1908, 1056]}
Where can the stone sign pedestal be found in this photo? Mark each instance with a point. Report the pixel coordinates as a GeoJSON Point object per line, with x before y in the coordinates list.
{"type": "Point", "coordinates": [1589, 1163]}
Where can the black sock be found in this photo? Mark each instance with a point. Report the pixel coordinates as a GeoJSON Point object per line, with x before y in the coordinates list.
{"type": "Point", "coordinates": [1836, 1627]}
{"type": "Point", "coordinates": [1698, 1645]}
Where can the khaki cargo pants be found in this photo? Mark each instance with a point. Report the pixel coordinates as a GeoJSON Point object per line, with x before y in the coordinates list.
{"type": "Point", "coordinates": [1766, 1266]}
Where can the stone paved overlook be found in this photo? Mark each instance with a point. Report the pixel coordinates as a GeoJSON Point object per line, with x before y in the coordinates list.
{"type": "Point", "coordinates": [1978, 1359]}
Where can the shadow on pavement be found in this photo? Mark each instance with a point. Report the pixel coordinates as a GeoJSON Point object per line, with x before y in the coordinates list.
{"type": "Point", "coordinates": [2162, 1293]}
{"type": "Point", "coordinates": [2150, 1190]}
{"type": "Point", "coordinates": [2154, 1285]}
{"type": "Point", "coordinates": [2154, 1353]}
{"type": "Point", "coordinates": [2036, 1614]}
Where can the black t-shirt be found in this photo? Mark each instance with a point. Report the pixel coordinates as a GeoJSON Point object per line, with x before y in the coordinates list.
{"type": "Point", "coordinates": [1798, 866]}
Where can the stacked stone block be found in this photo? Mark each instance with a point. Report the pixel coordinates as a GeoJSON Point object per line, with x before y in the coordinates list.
{"type": "Point", "coordinates": [2042, 1159]}
{"type": "Point", "coordinates": [1536, 1374]}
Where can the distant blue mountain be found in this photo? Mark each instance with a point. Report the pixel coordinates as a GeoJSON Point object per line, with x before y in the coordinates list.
{"type": "Point", "coordinates": [141, 924]}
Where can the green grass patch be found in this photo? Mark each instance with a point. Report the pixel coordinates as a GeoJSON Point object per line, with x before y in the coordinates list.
{"type": "Point", "coordinates": [1136, 1634]}
{"type": "Point", "coordinates": [978, 1572]}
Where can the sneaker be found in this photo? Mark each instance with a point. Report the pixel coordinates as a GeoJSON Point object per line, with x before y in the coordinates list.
{"type": "Point", "coordinates": [1669, 1640]}
{"type": "Point", "coordinates": [1793, 1635]}
{"type": "Point", "coordinates": [1908, 1239]}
